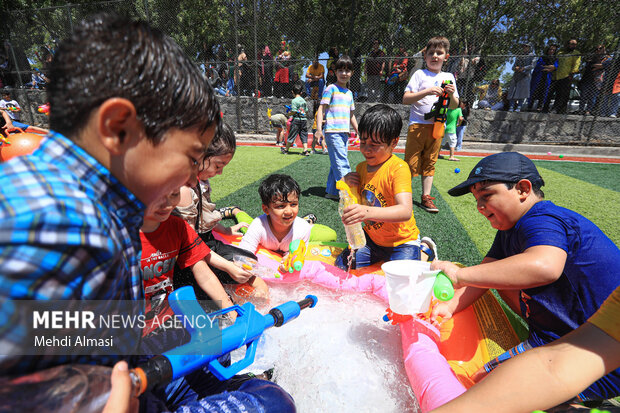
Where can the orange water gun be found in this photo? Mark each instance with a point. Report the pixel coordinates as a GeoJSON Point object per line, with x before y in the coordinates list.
{"type": "Point", "coordinates": [439, 112]}
{"type": "Point", "coordinates": [296, 256]}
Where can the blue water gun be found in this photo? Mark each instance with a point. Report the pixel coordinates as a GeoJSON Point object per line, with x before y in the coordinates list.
{"type": "Point", "coordinates": [207, 344]}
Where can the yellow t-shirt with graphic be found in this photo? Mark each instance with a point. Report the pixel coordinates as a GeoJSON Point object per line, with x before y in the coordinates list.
{"type": "Point", "coordinates": [606, 318]}
{"type": "Point", "coordinates": [378, 189]}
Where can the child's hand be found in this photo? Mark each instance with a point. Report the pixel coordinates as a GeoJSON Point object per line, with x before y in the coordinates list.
{"type": "Point", "coordinates": [282, 268]}
{"type": "Point", "coordinates": [239, 274]}
{"type": "Point", "coordinates": [441, 310]}
{"type": "Point", "coordinates": [236, 229]}
{"type": "Point", "coordinates": [449, 269]}
{"type": "Point", "coordinates": [354, 213]}
{"type": "Point", "coordinates": [120, 398]}
{"type": "Point", "coordinates": [450, 89]}
{"type": "Point", "coordinates": [352, 179]}
{"type": "Point", "coordinates": [434, 90]}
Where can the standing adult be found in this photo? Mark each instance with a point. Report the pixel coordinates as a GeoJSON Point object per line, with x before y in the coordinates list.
{"type": "Point", "coordinates": [375, 66]}
{"type": "Point", "coordinates": [541, 77]}
{"type": "Point", "coordinates": [266, 72]}
{"type": "Point", "coordinates": [397, 77]}
{"type": "Point", "coordinates": [465, 74]}
{"type": "Point", "coordinates": [331, 65]}
{"type": "Point", "coordinates": [281, 81]}
{"type": "Point", "coordinates": [242, 76]}
{"type": "Point", "coordinates": [592, 79]}
{"type": "Point", "coordinates": [569, 61]}
{"type": "Point", "coordinates": [521, 78]}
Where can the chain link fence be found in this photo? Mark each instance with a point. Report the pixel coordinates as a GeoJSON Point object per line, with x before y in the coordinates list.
{"type": "Point", "coordinates": [513, 55]}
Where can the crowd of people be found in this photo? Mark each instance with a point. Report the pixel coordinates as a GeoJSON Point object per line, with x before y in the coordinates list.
{"type": "Point", "coordinates": [540, 82]}
{"type": "Point", "coordinates": [545, 81]}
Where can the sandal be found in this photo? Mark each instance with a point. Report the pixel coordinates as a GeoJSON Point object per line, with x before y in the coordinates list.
{"type": "Point", "coordinates": [227, 212]}
{"type": "Point", "coordinates": [429, 249]}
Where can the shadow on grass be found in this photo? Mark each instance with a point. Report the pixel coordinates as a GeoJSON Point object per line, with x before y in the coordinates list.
{"type": "Point", "coordinates": [314, 191]}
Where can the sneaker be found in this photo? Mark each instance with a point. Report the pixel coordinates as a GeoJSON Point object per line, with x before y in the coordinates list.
{"type": "Point", "coordinates": [227, 212]}
{"type": "Point", "coordinates": [313, 152]}
{"type": "Point", "coordinates": [325, 152]}
{"type": "Point", "coordinates": [428, 205]}
{"type": "Point", "coordinates": [330, 196]}
{"type": "Point", "coordinates": [283, 150]}
{"type": "Point", "coordinates": [305, 153]}
{"type": "Point", "coordinates": [430, 248]}
{"type": "Point", "coordinates": [310, 218]}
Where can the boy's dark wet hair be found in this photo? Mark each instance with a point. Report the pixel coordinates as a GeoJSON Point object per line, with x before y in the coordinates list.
{"type": "Point", "coordinates": [380, 123]}
{"type": "Point", "coordinates": [438, 42]}
{"type": "Point", "coordinates": [110, 56]}
{"type": "Point", "coordinates": [277, 187]}
{"type": "Point", "coordinates": [344, 62]}
{"type": "Point", "coordinates": [224, 142]}
{"type": "Point", "coordinates": [298, 87]}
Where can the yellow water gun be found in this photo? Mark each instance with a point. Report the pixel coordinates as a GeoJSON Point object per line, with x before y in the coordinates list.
{"type": "Point", "coordinates": [296, 256]}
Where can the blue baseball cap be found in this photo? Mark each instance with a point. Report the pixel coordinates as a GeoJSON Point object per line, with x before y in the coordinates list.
{"type": "Point", "coordinates": [502, 167]}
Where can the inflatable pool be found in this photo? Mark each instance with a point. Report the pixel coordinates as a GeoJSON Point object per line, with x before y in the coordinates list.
{"type": "Point", "coordinates": [439, 362]}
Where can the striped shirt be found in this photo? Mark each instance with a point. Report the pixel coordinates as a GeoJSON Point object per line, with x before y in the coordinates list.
{"type": "Point", "coordinates": [340, 101]}
{"type": "Point", "coordinates": [69, 230]}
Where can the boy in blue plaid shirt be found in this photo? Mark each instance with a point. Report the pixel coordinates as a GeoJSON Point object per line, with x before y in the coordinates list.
{"type": "Point", "coordinates": [124, 134]}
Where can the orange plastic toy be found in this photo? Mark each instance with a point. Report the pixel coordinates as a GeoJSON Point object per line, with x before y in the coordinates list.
{"type": "Point", "coordinates": [21, 144]}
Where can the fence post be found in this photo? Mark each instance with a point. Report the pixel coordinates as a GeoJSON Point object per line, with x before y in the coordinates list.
{"type": "Point", "coordinates": [236, 76]}
{"type": "Point", "coordinates": [256, 88]}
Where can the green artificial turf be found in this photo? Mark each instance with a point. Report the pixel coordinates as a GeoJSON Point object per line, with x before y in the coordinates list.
{"type": "Point", "coordinates": [461, 233]}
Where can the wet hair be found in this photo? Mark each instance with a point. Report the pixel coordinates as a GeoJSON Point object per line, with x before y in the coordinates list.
{"type": "Point", "coordinates": [223, 143]}
{"type": "Point", "coordinates": [110, 56]}
{"type": "Point", "coordinates": [277, 187]}
{"type": "Point", "coordinates": [380, 123]}
{"type": "Point", "coordinates": [298, 87]}
{"type": "Point", "coordinates": [344, 62]}
{"type": "Point", "coordinates": [437, 42]}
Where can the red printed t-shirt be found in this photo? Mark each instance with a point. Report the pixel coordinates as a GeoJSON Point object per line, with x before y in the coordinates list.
{"type": "Point", "coordinates": [173, 242]}
{"type": "Point", "coordinates": [378, 189]}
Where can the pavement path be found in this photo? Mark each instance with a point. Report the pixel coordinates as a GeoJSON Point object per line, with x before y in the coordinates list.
{"type": "Point", "coordinates": [598, 154]}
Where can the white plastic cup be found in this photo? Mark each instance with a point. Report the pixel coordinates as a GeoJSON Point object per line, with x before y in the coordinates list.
{"type": "Point", "coordinates": [409, 285]}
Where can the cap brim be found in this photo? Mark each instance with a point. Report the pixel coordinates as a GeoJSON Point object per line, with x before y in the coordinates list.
{"type": "Point", "coordinates": [463, 188]}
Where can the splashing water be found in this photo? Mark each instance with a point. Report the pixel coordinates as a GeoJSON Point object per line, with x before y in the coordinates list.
{"type": "Point", "coordinates": [337, 357]}
{"type": "Point", "coordinates": [350, 260]}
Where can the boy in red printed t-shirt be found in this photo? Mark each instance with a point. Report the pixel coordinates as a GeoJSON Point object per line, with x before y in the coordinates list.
{"type": "Point", "coordinates": [166, 241]}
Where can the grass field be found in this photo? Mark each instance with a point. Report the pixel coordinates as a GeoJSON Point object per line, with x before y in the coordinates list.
{"type": "Point", "coordinates": [461, 233]}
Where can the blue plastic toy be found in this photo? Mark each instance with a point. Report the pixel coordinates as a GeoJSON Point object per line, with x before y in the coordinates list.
{"type": "Point", "coordinates": [457, 170]}
{"type": "Point", "coordinates": [208, 343]}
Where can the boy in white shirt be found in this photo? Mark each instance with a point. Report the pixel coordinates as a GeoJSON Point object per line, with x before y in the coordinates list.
{"type": "Point", "coordinates": [422, 91]}
{"type": "Point", "coordinates": [279, 225]}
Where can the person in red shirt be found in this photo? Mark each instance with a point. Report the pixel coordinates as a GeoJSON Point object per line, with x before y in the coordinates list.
{"type": "Point", "coordinates": [168, 240]}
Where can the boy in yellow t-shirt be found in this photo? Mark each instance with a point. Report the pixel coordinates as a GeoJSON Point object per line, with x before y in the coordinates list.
{"type": "Point", "coordinates": [383, 183]}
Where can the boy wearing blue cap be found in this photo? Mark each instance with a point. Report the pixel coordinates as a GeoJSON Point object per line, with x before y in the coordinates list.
{"type": "Point", "coordinates": [552, 266]}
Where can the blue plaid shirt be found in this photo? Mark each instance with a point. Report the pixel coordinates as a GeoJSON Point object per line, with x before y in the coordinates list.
{"type": "Point", "coordinates": [69, 230]}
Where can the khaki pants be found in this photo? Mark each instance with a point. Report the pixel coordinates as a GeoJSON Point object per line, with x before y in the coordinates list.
{"type": "Point", "coordinates": [421, 149]}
